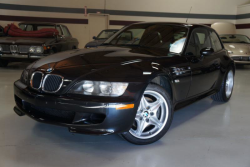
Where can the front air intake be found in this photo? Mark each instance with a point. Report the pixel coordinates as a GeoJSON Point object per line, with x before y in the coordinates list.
{"type": "Point", "coordinates": [52, 83]}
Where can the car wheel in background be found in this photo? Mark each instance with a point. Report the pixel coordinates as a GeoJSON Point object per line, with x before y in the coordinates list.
{"type": "Point", "coordinates": [4, 63]}
{"type": "Point", "coordinates": [226, 88]}
{"type": "Point", "coordinates": [153, 117]}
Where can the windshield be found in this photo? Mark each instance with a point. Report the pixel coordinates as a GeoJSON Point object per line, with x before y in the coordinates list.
{"type": "Point", "coordinates": [234, 38]}
{"type": "Point", "coordinates": [105, 34]}
{"type": "Point", "coordinates": [169, 37]}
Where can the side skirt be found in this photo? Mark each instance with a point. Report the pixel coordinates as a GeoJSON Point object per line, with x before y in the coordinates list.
{"type": "Point", "coordinates": [193, 99]}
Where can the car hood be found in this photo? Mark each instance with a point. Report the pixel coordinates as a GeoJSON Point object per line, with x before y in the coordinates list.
{"type": "Point", "coordinates": [238, 49]}
{"type": "Point", "coordinates": [111, 61]}
{"type": "Point", "coordinates": [24, 40]}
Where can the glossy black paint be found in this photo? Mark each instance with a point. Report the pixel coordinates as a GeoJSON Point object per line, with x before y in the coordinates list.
{"type": "Point", "coordinates": [188, 79]}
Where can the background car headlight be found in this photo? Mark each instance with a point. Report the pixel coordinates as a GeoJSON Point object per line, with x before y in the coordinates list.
{"type": "Point", "coordinates": [36, 49]}
{"type": "Point", "coordinates": [1, 49]}
{"type": "Point", "coordinates": [39, 49]}
{"type": "Point", "coordinates": [99, 88]}
{"type": "Point", "coordinates": [32, 49]}
{"type": "Point", "coordinates": [230, 52]}
{"type": "Point", "coordinates": [25, 76]}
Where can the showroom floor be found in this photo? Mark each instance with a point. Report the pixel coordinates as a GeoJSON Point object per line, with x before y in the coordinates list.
{"type": "Point", "coordinates": [204, 134]}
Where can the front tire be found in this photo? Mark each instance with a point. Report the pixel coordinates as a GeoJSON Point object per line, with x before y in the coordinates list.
{"type": "Point", "coordinates": [153, 117]}
{"type": "Point", "coordinates": [4, 63]}
{"type": "Point", "coordinates": [226, 88]}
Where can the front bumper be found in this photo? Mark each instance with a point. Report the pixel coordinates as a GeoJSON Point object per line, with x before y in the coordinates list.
{"type": "Point", "coordinates": [73, 113]}
{"type": "Point", "coordinates": [21, 56]}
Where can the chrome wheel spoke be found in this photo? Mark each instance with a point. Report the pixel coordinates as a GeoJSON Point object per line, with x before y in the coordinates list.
{"type": "Point", "coordinates": [144, 103]}
{"type": "Point", "coordinates": [155, 121]}
{"type": "Point", "coordinates": [141, 125]}
{"type": "Point", "coordinates": [229, 83]}
{"type": "Point", "coordinates": [155, 105]}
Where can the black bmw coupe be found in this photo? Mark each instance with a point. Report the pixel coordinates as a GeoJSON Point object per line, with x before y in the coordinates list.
{"type": "Point", "coordinates": [131, 85]}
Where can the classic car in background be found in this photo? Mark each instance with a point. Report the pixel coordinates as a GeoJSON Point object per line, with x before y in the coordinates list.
{"type": "Point", "coordinates": [238, 47]}
{"type": "Point", "coordinates": [25, 46]}
{"type": "Point", "coordinates": [102, 37]}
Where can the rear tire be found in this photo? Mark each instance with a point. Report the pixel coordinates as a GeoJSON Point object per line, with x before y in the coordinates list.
{"type": "Point", "coordinates": [4, 63]}
{"type": "Point", "coordinates": [226, 88]}
{"type": "Point", "coordinates": [153, 118]}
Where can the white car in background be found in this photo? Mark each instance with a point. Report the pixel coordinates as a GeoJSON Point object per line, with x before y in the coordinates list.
{"type": "Point", "coordinates": [238, 47]}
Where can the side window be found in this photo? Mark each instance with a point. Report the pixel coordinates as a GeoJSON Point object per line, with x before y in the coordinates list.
{"type": "Point", "coordinates": [29, 28]}
{"type": "Point", "coordinates": [216, 45]}
{"type": "Point", "coordinates": [192, 47]}
{"type": "Point", "coordinates": [199, 40]}
{"type": "Point", "coordinates": [59, 29]}
{"type": "Point", "coordinates": [66, 31]}
{"type": "Point", "coordinates": [22, 26]}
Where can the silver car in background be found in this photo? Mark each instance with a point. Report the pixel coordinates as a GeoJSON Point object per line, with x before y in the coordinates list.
{"type": "Point", "coordinates": [238, 47]}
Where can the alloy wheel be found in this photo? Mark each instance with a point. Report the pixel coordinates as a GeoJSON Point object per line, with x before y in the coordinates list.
{"type": "Point", "coordinates": [151, 117]}
{"type": "Point", "coordinates": [229, 83]}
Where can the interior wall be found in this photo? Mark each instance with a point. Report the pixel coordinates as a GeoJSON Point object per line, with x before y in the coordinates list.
{"type": "Point", "coordinates": [71, 13]}
{"type": "Point", "coordinates": [243, 20]}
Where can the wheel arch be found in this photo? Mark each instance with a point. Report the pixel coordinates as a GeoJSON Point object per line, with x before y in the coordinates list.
{"type": "Point", "coordinates": [165, 82]}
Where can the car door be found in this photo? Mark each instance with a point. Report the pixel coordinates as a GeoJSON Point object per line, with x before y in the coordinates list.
{"type": "Point", "coordinates": [69, 42]}
{"type": "Point", "coordinates": [61, 43]}
{"type": "Point", "coordinates": [205, 69]}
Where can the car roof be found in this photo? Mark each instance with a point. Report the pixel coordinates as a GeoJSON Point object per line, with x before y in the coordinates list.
{"type": "Point", "coordinates": [175, 23]}
{"type": "Point", "coordinates": [40, 23]}
{"type": "Point", "coordinates": [111, 30]}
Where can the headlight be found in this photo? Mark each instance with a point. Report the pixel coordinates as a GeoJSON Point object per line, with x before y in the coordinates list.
{"type": "Point", "coordinates": [230, 52]}
{"type": "Point", "coordinates": [25, 76]}
{"type": "Point", "coordinates": [39, 49]}
{"type": "Point", "coordinates": [99, 88]}
{"type": "Point", "coordinates": [36, 49]}
{"type": "Point", "coordinates": [1, 49]}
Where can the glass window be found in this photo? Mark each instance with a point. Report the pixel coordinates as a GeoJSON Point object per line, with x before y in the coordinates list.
{"type": "Point", "coordinates": [22, 26]}
{"type": "Point", "coordinates": [39, 27]}
{"type": "Point", "coordinates": [216, 44]}
{"type": "Point", "coordinates": [66, 31]}
{"type": "Point", "coordinates": [198, 41]}
{"type": "Point", "coordinates": [106, 34]}
{"type": "Point", "coordinates": [169, 37]}
{"type": "Point", "coordinates": [192, 47]}
{"type": "Point", "coordinates": [234, 38]}
{"type": "Point", "coordinates": [29, 28]}
{"type": "Point", "coordinates": [202, 39]}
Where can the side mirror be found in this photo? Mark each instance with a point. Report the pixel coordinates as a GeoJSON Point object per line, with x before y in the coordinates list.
{"type": "Point", "coordinates": [94, 37]}
{"type": "Point", "coordinates": [206, 51]}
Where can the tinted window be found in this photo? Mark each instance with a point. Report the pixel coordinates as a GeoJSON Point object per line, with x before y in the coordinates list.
{"type": "Point", "coordinates": [216, 45]}
{"type": "Point", "coordinates": [167, 37]}
{"type": "Point", "coordinates": [192, 47]}
{"type": "Point", "coordinates": [199, 40]}
{"type": "Point", "coordinates": [66, 31]}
